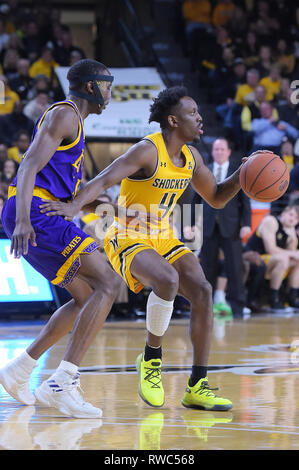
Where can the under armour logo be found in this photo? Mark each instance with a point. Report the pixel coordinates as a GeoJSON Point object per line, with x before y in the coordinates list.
{"type": "Point", "coordinates": [190, 166]}
{"type": "Point", "coordinates": [163, 164]}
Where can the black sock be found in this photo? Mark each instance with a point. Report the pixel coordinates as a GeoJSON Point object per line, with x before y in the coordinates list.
{"type": "Point", "coordinates": [293, 296]}
{"type": "Point", "coordinates": [274, 296]}
{"type": "Point", "coordinates": [152, 353]}
{"type": "Point", "coordinates": [198, 372]}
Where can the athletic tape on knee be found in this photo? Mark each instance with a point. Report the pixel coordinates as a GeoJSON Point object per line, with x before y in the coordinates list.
{"type": "Point", "coordinates": [158, 314]}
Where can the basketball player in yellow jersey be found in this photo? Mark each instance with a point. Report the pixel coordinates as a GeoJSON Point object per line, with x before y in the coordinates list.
{"type": "Point", "coordinates": [154, 173]}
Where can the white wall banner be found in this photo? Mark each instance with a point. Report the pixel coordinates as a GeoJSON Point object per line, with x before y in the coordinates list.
{"type": "Point", "coordinates": [127, 114]}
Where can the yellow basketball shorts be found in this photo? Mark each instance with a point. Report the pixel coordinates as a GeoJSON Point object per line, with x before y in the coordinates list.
{"type": "Point", "coordinates": [121, 247]}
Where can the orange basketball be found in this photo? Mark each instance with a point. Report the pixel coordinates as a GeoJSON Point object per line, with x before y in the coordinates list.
{"type": "Point", "coordinates": [264, 177]}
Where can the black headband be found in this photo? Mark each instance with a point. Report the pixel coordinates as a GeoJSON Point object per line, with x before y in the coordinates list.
{"type": "Point", "coordinates": [97, 97]}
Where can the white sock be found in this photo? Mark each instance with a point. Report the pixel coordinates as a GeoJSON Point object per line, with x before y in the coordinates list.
{"type": "Point", "coordinates": [26, 362]}
{"type": "Point", "coordinates": [219, 296]}
{"type": "Point", "coordinates": [68, 367]}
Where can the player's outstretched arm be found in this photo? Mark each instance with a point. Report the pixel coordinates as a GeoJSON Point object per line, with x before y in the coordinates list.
{"type": "Point", "coordinates": [59, 124]}
{"type": "Point", "coordinates": [140, 156]}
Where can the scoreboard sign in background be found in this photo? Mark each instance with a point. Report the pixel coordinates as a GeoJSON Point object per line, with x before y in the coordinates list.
{"type": "Point", "coordinates": [127, 115]}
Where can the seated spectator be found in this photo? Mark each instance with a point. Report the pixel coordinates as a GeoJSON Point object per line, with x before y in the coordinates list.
{"type": "Point", "coordinates": [287, 154]}
{"type": "Point", "coordinates": [4, 37]}
{"type": "Point", "coordinates": [250, 49]}
{"type": "Point", "coordinates": [285, 57]}
{"type": "Point", "coordinates": [225, 88]}
{"type": "Point", "coordinates": [245, 93]}
{"type": "Point", "coordinates": [37, 106]}
{"type": "Point", "coordinates": [253, 110]}
{"type": "Point", "coordinates": [276, 241]}
{"type": "Point", "coordinates": [11, 124]}
{"type": "Point", "coordinates": [10, 61]}
{"type": "Point", "coordinates": [264, 61]}
{"type": "Point", "coordinates": [40, 83]}
{"type": "Point", "coordinates": [15, 42]}
{"type": "Point", "coordinates": [197, 18]}
{"type": "Point", "coordinates": [10, 97]}
{"type": "Point", "coordinates": [44, 65]}
{"type": "Point", "coordinates": [223, 13]}
{"type": "Point", "coordinates": [2, 202]}
{"type": "Point", "coordinates": [3, 155]}
{"type": "Point", "coordinates": [22, 143]}
{"type": "Point", "coordinates": [10, 168]}
{"type": "Point", "coordinates": [282, 97]}
{"type": "Point", "coordinates": [196, 14]}
{"type": "Point", "coordinates": [272, 83]}
{"type": "Point", "coordinates": [21, 82]}
{"type": "Point", "coordinates": [236, 26]}
{"type": "Point", "coordinates": [268, 132]}
{"type": "Point", "coordinates": [62, 52]}
{"type": "Point", "coordinates": [32, 40]}
{"type": "Point", "coordinates": [76, 55]}
{"type": "Point", "coordinates": [289, 111]}
{"type": "Point", "coordinates": [265, 25]}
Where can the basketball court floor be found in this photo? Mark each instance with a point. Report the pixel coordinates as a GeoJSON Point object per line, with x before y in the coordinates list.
{"type": "Point", "coordinates": [254, 362]}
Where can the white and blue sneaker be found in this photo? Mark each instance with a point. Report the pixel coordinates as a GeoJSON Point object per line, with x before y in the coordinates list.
{"type": "Point", "coordinates": [62, 391]}
{"type": "Point", "coordinates": [15, 380]}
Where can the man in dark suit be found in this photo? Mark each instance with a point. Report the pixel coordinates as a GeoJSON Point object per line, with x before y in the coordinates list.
{"type": "Point", "coordinates": [224, 228]}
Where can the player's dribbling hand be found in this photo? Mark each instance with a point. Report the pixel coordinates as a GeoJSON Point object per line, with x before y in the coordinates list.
{"type": "Point", "coordinates": [67, 210]}
{"type": "Point", "coordinates": [244, 159]}
{"type": "Point", "coordinates": [19, 242]}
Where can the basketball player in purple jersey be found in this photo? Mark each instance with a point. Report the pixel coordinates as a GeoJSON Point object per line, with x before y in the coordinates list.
{"type": "Point", "coordinates": [65, 255]}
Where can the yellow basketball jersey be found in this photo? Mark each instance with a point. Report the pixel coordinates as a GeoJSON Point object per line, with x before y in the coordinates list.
{"type": "Point", "coordinates": [158, 194]}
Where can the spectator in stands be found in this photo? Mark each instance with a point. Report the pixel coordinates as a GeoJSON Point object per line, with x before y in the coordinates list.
{"type": "Point", "coordinates": [40, 83]}
{"type": "Point", "coordinates": [76, 55]}
{"type": "Point", "coordinates": [289, 111]}
{"type": "Point", "coordinates": [250, 49]}
{"type": "Point", "coordinates": [44, 65]}
{"type": "Point", "coordinates": [2, 202]}
{"type": "Point", "coordinates": [32, 40]}
{"type": "Point", "coordinates": [15, 43]}
{"type": "Point", "coordinates": [10, 63]}
{"type": "Point", "coordinates": [250, 112]}
{"type": "Point", "coordinates": [282, 97]}
{"type": "Point", "coordinates": [223, 13]}
{"type": "Point", "coordinates": [287, 154]}
{"type": "Point", "coordinates": [294, 184]}
{"type": "Point", "coordinates": [264, 61]}
{"type": "Point", "coordinates": [236, 26]}
{"type": "Point", "coordinates": [197, 18]}
{"type": "Point", "coordinates": [277, 242]}
{"type": "Point", "coordinates": [4, 37]}
{"type": "Point", "coordinates": [272, 82]}
{"type": "Point", "coordinates": [253, 110]}
{"type": "Point", "coordinates": [10, 168]}
{"type": "Point", "coordinates": [263, 23]}
{"type": "Point", "coordinates": [22, 81]}
{"type": "Point", "coordinates": [11, 124]}
{"type": "Point", "coordinates": [269, 132]}
{"type": "Point", "coordinates": [37, 106]}
{"type": "Point", "coordinates": [226, 85]}
{"type": "Point", "coordinates": [3, 155]}
{"type": "Point", "coordinates": [21, 144]}
{"type": "Point", "coordinates": [245, 93]}
{"type": "Point", "coordinates": [10, 97]}
{"type": "Point", "coordinates": [62, 52]}
{"type": "Point", "coordinates": [285, 57]}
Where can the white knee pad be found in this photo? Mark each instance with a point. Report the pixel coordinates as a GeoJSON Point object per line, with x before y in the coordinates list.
{"type": "Point", "coordinates": [158, 314]}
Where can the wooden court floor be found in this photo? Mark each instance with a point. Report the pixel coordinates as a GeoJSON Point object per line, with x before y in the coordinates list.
{"type": "Point", "coordinates": [251, 362]}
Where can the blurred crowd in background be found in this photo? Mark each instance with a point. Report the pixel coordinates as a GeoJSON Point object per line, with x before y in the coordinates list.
{"type": "Point", "coordinates": [245, 53]}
